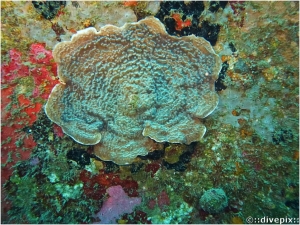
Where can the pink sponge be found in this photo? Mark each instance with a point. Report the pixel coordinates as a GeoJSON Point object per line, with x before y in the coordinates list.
{"type": "Point", "coordinates": [116, 205]}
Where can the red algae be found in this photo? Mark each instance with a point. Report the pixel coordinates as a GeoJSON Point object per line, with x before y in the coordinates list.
{"type": "Point", "coordinates": [18, 109]}
{"type": "Point", "coordinates": [163, 200]}
{"type": "Point", "coordinates": [152, 168]}
{"type": "Point", "coordinates": [14, 69]}
{"type": "Point", "coordinates": [39, 55]}
{"type": "Point", "coordinates": [180, 24]}
{"type": "Point", "coordinates": [130, 3]}
{"type": "Point", "coordinates": [95, 185]}
{"type": "Point", "coordinates": [58, 130]}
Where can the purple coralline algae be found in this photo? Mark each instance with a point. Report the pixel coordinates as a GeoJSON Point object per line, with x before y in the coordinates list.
{"type": "Point", "coordinates": [116, 205]}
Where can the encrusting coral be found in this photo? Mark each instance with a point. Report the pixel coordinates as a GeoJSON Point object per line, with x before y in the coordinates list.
{"type": "Point", "coordinates": [122, 85]}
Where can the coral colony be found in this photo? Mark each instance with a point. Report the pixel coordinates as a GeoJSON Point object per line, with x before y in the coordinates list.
{"type": "Point", "coordinates": [159, 112]}
{"type": "Point", "coordinates": [137, 83]}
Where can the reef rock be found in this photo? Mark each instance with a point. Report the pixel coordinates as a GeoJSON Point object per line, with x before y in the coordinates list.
{"type": "Point", "coordinates": [122, 85]}
{"type": "Point", "coordinates": [214, 200]}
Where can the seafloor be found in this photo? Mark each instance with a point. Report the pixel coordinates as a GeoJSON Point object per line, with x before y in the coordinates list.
{"type": "Point", "coordinates": [245, 168]}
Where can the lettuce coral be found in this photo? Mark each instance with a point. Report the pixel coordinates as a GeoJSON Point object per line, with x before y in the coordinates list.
{"type": "Point", "coordinates": [122, 85]}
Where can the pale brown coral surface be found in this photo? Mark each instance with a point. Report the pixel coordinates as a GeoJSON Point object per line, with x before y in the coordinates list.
{"type": "Point", "coordinates": [123, 85]}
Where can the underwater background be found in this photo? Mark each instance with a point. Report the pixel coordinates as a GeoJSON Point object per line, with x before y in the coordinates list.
{"type": "Point", "coordinates": [244, 169]}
